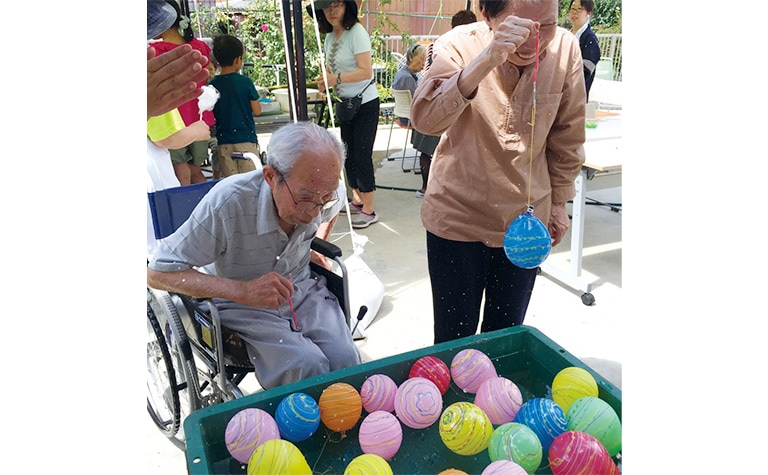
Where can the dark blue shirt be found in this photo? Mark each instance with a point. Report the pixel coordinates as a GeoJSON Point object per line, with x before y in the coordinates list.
{"type": "Point", "coordinates": [234, 116]}
{"type": "Point", "coordinates": [590, 54]}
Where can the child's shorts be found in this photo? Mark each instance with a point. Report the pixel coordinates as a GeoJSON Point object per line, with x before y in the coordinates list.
{"type": "Point", "coordinates": [195, 153]}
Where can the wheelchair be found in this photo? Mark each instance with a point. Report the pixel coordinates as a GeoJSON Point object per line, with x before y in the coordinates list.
{"type": "Point", "coordinates": [192, 360]}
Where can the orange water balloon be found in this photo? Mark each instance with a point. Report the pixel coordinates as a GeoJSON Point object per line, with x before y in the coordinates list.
{"type": "Point", "coordinates": [340, 407]}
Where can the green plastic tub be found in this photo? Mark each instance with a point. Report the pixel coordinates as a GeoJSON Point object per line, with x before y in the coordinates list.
{"type": "Point", "coordinates": [523, 354]}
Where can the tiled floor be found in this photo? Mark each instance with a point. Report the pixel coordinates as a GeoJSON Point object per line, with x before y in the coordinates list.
{"type": "Point", "coordinates": [396, 252]}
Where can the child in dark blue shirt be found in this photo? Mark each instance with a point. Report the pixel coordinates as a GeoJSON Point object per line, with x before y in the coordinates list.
{"type": "Point", "coordinates": [234, 111]}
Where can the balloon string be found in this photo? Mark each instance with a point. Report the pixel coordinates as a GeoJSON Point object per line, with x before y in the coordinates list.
{"type": "Point", "coordinates": [533, 117]}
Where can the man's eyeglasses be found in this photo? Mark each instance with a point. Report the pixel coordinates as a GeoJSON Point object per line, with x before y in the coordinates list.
{"type": "Point", "coordinates": [576, 10]}
{"type": "Point", "coordinates": [306, 206]}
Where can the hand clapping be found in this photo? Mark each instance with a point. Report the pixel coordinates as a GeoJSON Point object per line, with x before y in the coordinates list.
{"type": "Point", "coordinates": [172, 78]}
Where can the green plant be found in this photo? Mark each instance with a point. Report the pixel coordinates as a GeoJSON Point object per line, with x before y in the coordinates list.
{"type": "Point", "coordinates": [607, 16]}
{"type": "Point", "coordinates": [260, 28]}
{"type": "Point", "coordinates": [384, 93]}
{"type": "Point", "coordinates": [210, 21]}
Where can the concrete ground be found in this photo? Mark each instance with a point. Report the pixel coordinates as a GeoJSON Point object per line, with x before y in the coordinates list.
{"type": "Point", "coordinates": [396, 253]}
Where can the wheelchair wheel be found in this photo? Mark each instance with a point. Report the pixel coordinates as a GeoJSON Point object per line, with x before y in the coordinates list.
{"type": "Point", "coordinates": [183, 387]}
{"type": "Point", "coordinates": [162, 402]}
{"type": "Point", "coordinates": [212, 389]}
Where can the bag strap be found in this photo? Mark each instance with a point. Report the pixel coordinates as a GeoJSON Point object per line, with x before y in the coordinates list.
{"type": "Point", "coordinates": [366, 87]}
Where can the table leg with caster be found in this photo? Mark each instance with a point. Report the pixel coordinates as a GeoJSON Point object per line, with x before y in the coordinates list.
{"type": "Point", "coordinates": [572, 276]}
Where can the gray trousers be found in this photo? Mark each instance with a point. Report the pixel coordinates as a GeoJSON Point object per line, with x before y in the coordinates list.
{"type": "Point", "coordinates": [281, 355]}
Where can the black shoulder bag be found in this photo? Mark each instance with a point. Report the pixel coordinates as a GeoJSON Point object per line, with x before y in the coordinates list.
{"type": "Point", "coordinates": [346, 109]}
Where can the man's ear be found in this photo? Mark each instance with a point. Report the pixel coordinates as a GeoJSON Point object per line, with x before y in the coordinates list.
{"type": "Point", "coordinates": [271, 176]}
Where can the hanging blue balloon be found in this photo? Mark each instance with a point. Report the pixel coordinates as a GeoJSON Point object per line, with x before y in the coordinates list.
{"type": "Point", "coordinates": [527, 241]}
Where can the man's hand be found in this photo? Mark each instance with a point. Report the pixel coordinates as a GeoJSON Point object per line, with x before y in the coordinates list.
{"type": "Point", "coordinates": [558, 223]}
{"type": "Point", "coordinates": [172, 78]}
{"type": "Point", "coordinates": [268, 291]}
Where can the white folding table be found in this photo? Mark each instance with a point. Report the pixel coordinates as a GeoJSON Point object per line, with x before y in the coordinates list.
{"type": "Point", "coordinates": [603, 154]}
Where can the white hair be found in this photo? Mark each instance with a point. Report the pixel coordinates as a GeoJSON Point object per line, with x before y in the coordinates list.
{"type": "Point", "coordinates": [293, 140]}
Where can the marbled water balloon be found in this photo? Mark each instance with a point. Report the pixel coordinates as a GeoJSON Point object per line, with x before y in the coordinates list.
{"type": "Point", "coordinates": [418, 403]}
{"type": "Point", "coordinates": [518, 443]}
{"type": "Point", "coordinates": [434, 369]}
{"type": "Point", "coordinates": [298, 417]}
{"type": "Point", "coordinates": [578, 452]}
{"type": "Point", "coordinates": [378, 393]}
{"type": "Point", "coordinates": [248, 429]}
{"type": "Point", "coordinates": [598, 419]}
{"type": "Point", "coordinates": [340, 407]}
{"type": "Point", "coordinates": [504, 467]}
{"type": "Point", "coordinates": [470, 368]}
{"type": "Point", "coordinates": [527, 241]}
{"type": "Point", "coordinates": [545, 418]}
{"type": "Point", "coordinates": [572, 383]}
{"type": "Point", "coordinates": [368, 464]}
{"type": "Point", "coordinates": [465, 429]}
{"type": "Point", "coordinates": [278, 456]}
{"type": "Point", "coordinates": [500, 398]}
{"type": "Point", "coordinates": [380, 434]}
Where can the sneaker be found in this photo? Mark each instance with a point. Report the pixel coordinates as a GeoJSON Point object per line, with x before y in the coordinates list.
{"type": "Point", "coordinates": [364, 220]}
{"type": "Point", "coordinates": [419, 194]}
{"type": "Point", "coordinates": [353, 209]}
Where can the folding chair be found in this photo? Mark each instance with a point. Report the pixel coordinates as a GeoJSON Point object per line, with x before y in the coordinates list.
{"type": "Point", "coordinates": [402, 109]}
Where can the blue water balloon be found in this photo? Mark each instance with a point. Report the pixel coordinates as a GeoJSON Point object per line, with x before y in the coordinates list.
{"type": "Point", "coordinates": [527, 241]}
{"type": "Point", "coordinates": [297, 417]}
{"type": "Point", "coordinates": [545, 418]}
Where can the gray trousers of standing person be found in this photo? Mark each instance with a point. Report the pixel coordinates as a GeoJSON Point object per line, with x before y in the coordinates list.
{"type": "Point", "coordinates": [282, 355]}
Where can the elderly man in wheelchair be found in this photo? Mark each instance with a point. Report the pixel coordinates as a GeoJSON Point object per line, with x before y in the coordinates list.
{"type": "Point", "coordinates": [246, 247]}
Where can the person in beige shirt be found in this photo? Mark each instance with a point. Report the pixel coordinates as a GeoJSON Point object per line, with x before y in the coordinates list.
{"type": "Point", "coordinates": [478, 93]}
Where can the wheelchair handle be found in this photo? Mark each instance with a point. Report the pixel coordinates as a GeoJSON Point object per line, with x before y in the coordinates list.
{"type": "Point", "coordinates": [244, 156]}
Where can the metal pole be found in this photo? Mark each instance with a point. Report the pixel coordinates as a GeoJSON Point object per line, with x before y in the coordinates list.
{"type": "Point", "coordinates": [301, 74]}
{"type": "Point", "coordinates": [295, 59]}
{"type": "Point", "coordinates": [289, 60]}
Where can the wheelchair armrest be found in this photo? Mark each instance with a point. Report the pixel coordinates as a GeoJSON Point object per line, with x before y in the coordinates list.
{"type": "Point", "coordinates": [326, 248]}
